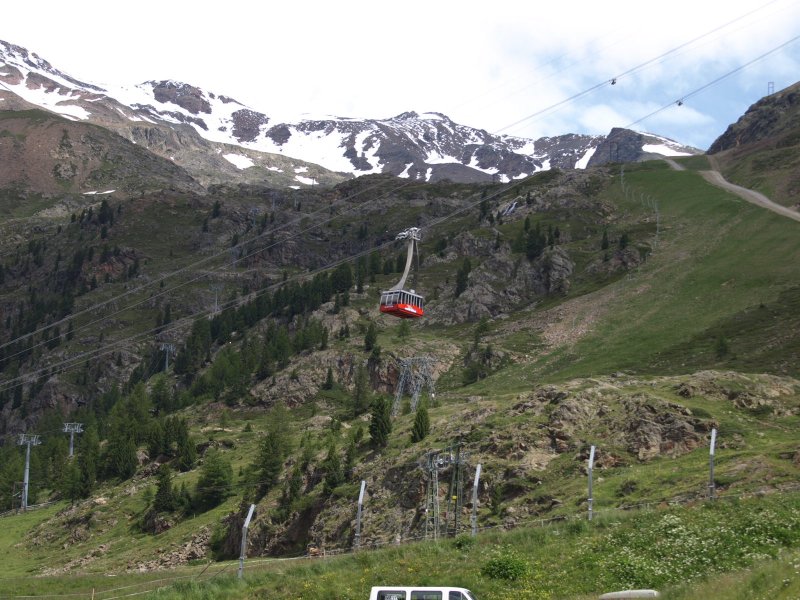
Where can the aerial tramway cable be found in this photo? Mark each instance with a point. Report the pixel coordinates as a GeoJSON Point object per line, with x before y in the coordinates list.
{"type": "Point", "coordinates": [683, 99]}
{"type": "Point", "coordinates": [5, 385]}
{"type": "Point", "coordinates": [397, 300]}
{"type": "Point", "coordinates": [612, 81]}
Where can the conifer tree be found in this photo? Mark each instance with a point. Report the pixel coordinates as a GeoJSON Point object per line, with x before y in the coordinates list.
{"type": "Point", "coordinates": [214, 483]}
{"type": "Point", "coordinates": [121, 460]}
{"type": "Point", "coordinates": [360, 390]}
{"type": "Point", "coordinates": [332, 465]}
{"type": "Point", "coordinates": [380, 425]}
{"type": "Point", "coordinates": [186, 452]}
{"type": "Point", "coordinates": [88, 460]}
{"type": "Point", "coordinates": [371, 337]}
{"type": "Point", "coordinates": [273, 451]}
{"type": "Point", "coordinates": [462, 277]}
{"type": "Point", "coordinates": [71, 482]}
{"type": "Point", "coordinates": [166, 499]}
{"type": "Point", "coordinates": [422, 424]}
{"type": "Point", "coordinates": [328, 385]}
{"type": "Point", "coordinates": [156, 440]}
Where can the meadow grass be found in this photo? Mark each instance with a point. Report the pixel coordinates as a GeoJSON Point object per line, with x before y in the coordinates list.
{"type": "Point", "coordinates": [726, 546]}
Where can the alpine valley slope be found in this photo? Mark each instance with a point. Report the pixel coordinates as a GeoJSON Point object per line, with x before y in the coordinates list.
{"type": "Point", "coordinates": [626, 306]}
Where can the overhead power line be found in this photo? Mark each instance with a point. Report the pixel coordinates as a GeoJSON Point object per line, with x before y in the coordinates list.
{"type": "Point", "coordinates": [695, 92]}
{"type": "Point", "coordinates": [614, 79]}
{"type": "Point", "coordinates": [80, 359]}
{"type": "Point", "coordinates": [186, 268]}
{"type": "Point", "coordinates": [196, 264]}
{"type": "Point", "coordinates": [71, 362]}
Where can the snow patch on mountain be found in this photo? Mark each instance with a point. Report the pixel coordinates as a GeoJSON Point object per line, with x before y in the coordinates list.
{"type": "Point", "coordinates": [318, 148]}
{"type": "Point", "coordinates": [583, 161]}
{"type": "Point", "coordinates": [664, 150]}
{"type": "Point", "coordinates": [239, 161]}
{"type": "Point", "coordinates": [427, 145]}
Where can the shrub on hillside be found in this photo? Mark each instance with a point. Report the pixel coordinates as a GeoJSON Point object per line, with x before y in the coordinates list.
{"type": "Point", "coordinates": [505, 563]}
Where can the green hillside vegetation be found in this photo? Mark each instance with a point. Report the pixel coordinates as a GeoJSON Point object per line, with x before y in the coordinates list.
{"type": "Point", "coordinates": [681, 316]}
{"type": "Point", "coordinates": [726, 549]}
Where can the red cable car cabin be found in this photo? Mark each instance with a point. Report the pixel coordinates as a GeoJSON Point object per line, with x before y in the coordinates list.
{"type": "Point", "coordinates": [405, 304]}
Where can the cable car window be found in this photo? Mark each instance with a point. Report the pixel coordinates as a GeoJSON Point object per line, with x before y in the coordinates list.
{"type": "Point", "coordinates": [391, 595]}
{"type": "Point", "coordinates": [425, 595]}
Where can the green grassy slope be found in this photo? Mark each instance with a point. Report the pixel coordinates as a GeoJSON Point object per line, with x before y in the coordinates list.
{"type": "Point", "coordinates": [716, 258]}
{"type": "Point", "coordinates": [718, 290]}
{"type": "Point", "coordinates": [728, 549]}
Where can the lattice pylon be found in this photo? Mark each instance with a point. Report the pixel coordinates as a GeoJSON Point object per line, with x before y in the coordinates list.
{"type": "Point", "coordinates": [415, 374]}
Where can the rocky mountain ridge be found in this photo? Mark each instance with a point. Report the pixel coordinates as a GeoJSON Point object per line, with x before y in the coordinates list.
{"type": "Point", "coordinates": [217, 139]}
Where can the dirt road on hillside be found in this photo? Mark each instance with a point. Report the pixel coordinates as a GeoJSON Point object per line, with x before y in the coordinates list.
{"type": "Point", "coordinates": [714, 177]}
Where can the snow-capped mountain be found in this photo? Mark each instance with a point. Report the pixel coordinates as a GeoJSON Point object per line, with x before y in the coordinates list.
{"type": "Point", "coordinates": [216, 138]}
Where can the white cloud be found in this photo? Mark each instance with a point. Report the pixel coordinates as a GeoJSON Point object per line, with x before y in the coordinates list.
{"type": "Point", "coordinates": [486, 67]}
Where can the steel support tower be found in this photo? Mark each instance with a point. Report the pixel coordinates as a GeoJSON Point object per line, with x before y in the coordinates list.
{"type": "Point", "coordinates": [28, 440]}
{"type": "Point", "coordinates": [72, 429]}
{"type": "Point", "coordinates": [415, 374]}
{"type": "Point", "coordinates": [455, 459]}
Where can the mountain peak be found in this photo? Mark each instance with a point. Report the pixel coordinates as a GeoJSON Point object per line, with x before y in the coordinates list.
{"type": "Point", "coordinates": [20, 63]}
{"type": "Point", "coordinates": [405, 116]}
{"type": "Point", "coordinates": [428, 146]}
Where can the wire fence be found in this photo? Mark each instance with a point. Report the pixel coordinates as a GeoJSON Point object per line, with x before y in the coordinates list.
{"type": "Point", "coordinates": [212, 570]}
{"type": "Point", "coordinates": [16, 511]}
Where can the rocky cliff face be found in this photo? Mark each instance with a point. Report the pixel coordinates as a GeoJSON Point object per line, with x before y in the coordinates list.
{"type": "Point", "coordinates": [45, 154]}
{"type": "Point", "coordinates": [624, 146]}
{"type": "Point", "coordinates": [503, 282]}
{"type": "Point", "coordinates": [771, 117]}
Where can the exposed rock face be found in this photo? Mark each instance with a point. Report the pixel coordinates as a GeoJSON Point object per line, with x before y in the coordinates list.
{"type": "Point", "coordinates": [247, 124]}
{"type": "Point", "coordinates": [186, 96]}
{"type": "Point", "coordinates": [624, 145]}
{"type": "Point", "coordinates": [621, 145]}
{"type": "Point", "coordinates": [80, 158]}
{"type": "Point", "coordinates": [194, 549]}
{"type": "Point", "coordinates": [766, 394]}
{"type": "Point", "coordinates": [643, 426]}
{"type": "Point", "coordinates": [767, 118]}
{"type": "Point", "coordinates": [618, 260]}
{"type": "Point", "coordinates": [657, 429]}
{"type": "Point", "coordinates": [502, 281]}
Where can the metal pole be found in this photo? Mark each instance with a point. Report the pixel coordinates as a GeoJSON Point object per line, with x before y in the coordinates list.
{"type": "Point", "coordinates": [475, 500]}
{"type": "Point", "coordinates": [358, 516]}
{"type": "Point", "coordinates": [72, 429]}
{"type": "Point", "coordinates": [591, 467]}
{"type": "Point", "coordinates": [711, 465]}
{"type": "Point", "coordinates": [29, 440]}
{"type": "Point", "coordinates": [26, 479]}
{"type": "Point", "coordinates": [243, 550]}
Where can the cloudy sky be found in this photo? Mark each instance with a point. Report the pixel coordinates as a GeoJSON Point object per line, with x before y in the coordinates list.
{"type": "Point", "coordinates": [521, 67]}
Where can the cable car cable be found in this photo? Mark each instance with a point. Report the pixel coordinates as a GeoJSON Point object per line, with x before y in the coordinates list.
{"type": "Point", "coordinates": [683, 99]}
{"type": "Point", "coordinates": [72, 362]}
{"type": "Point", "coordinates": [629, 71]}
